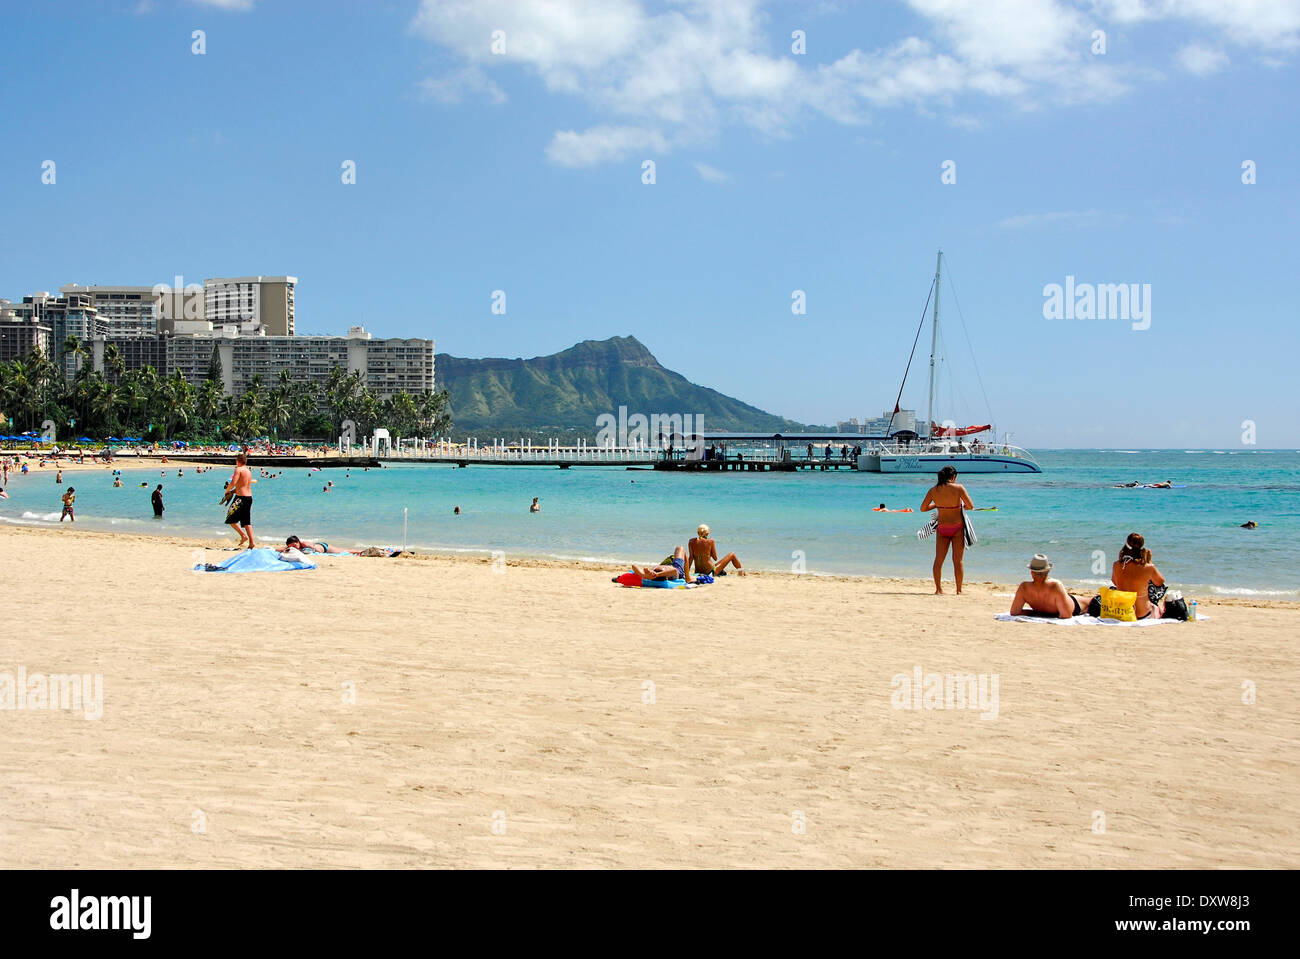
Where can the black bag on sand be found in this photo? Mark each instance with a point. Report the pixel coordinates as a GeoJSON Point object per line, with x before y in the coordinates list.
{"type": "Point", "coordinates": [1175, 606]}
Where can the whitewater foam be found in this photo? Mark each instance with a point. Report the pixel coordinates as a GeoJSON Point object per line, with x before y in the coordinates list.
{"type": "Point", "coordinates": [1244, 591]}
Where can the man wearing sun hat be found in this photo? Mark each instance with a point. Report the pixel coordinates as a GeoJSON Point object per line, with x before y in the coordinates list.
{"type": "Point", "coordinates": [1040, 596]}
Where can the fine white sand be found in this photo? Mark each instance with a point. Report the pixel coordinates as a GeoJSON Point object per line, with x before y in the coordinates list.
{"type": "Point", "coordinates": [541, 717]}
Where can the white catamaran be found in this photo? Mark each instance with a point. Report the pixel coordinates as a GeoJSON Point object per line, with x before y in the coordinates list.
{"type": "Point", "coordinates": [909, 452]}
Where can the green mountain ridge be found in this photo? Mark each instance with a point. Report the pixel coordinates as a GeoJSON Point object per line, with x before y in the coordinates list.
{"type": "Point", "coordinates": [565, 392]}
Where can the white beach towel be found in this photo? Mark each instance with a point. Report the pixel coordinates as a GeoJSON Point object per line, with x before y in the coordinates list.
{"type": "Point", "coordinates": [1088, 620]}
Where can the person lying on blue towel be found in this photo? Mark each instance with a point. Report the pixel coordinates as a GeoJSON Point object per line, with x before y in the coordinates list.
{"type": "Point", "coordinates": [674, 570]}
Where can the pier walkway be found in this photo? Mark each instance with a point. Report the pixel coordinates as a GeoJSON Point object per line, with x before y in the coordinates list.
{"type": "Point", "coordinates": [628, 458]}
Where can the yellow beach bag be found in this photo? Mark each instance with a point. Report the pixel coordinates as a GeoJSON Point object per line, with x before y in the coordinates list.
{"type": "Point", "coordinates": [1117, 604]}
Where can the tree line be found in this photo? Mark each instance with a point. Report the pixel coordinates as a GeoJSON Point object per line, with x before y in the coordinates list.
{"type": "Point", "coordinates": [121, 402]}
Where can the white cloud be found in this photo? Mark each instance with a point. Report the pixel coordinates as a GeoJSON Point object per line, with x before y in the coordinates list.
{"type": "Point", "coordinates": [710, 174]}
{"type": "Point", "coordinates": [226, 4]}
{"type": "Point", "coordinates": [603, 144]}
{"type": "Point", "coordinates": [1201, 60]}
{"type": "Point", "coordinates": [998, 33]}
{"type": "Point", "coordinates": [467, 82]}
{"type": "Point", "coordinates": [663, 77]}
{"type": "Point", "coordinates": [1068, 217]}
{"type": "Point", "coordinates": [1267, 24]}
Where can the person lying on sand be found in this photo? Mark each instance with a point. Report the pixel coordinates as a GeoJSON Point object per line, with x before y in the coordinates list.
{"type": "Point", "coordinates": [1040, 596]}
{"type": "Point", "coordinates": [676, 570]}
{"type": "Point", "coordinates": [704, 554]}
{"type": "Point", "coordinates": [310, 546]}
{"type": "Point", "coordinates": [314, 546]}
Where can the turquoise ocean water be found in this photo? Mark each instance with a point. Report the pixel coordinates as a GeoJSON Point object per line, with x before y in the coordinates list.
{"type": "Point", "coordinates": [773, 521]}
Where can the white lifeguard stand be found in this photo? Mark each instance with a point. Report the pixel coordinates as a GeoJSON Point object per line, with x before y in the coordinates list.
{"type": "Point", "coordinates": [381, 435]}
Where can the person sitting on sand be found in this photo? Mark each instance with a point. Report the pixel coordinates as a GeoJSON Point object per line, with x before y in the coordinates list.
{"type": "Point", "coordinates": [704, 555]}
{"type": "Point", "coordinates": [1040, 596]}
{"type": "Point", "coordinates": [1134, 572]}
{"type": "Point", "coordinates": [676, 570]}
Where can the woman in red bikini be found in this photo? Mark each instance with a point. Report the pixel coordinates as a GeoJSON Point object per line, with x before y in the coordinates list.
{"type": "Point", "coordinates": [948, 497]}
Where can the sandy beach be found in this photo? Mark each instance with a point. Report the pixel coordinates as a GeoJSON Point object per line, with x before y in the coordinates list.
{"type": "Point", "coordinates": [438, 712]}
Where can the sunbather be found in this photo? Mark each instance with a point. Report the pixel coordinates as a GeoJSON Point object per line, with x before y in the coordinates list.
{"type": "Point", "coordinates": [1134, 572]}
{"type": "Point", "coordinates": [311, 546]}
{"type": "Point", "coordinates": [704, 554]}
{"type": "Point", "coordinates": [676, 570]}
{"type": "Point", "coordinates": [1040, 596]}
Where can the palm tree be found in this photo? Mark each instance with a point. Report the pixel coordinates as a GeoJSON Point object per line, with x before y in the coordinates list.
{"type": "Point", "coordinates": [177, 400]}
{"type": "Point", "coordinates": [16, 392]}
{"type": "Point", "coordinates": [434, 418]}
{"type": "Point", "coordinates": [275, 411]}
{"type": "Point", "coordinates": [135, 397]}
{"type": "Point", "coordinates": [208, 402]}
{"type": "Point", "coordinates": [34, 388]}
{"type": "Point", "coordinates": [103, 407]}
{"type": "Point", "coordinates": [114, 363]}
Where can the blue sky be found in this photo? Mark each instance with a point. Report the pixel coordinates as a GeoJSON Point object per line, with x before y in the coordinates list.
{"type": "Point", "coordinates": [521, 170]}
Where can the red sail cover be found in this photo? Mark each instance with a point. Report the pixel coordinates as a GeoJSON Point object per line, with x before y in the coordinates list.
{"type": "Point", "coordinates": [937, 430]}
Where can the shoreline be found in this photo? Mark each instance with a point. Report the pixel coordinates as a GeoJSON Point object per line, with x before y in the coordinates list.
{"type": "Point", "coordinates": [475, 556]}
{"type": "Point", "coordinates": [562, 553]}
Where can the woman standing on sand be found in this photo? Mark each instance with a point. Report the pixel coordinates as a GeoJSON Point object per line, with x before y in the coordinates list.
{"type": "Point", "coordinates": [948, 497]}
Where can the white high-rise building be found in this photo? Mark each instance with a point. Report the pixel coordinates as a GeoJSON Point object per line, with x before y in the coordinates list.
{"type": "Point", "coordinates": [251, 303]}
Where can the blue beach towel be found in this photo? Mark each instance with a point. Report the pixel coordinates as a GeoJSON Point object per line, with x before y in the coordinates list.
{"type": "Point", "coordinates": [254, 561]}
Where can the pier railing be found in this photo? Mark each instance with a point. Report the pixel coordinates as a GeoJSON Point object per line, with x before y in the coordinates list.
{"type": "Point", "coordinates": [525, 455]}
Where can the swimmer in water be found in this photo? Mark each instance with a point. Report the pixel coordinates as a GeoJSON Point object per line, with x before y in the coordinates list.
{"type": "Point", "coordinates": [1251, 524]}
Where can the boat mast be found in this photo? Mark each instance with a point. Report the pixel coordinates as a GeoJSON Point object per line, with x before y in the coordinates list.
{"type": "Point", "coordinates": [934, 340]}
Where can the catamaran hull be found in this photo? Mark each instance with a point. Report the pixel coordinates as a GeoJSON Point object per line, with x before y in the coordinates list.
{"type": "Point", "coordinates": [933, 462]}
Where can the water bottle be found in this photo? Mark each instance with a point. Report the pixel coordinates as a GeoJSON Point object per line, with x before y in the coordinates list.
{"type": "Point", "coordinates": [1191, 611]}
